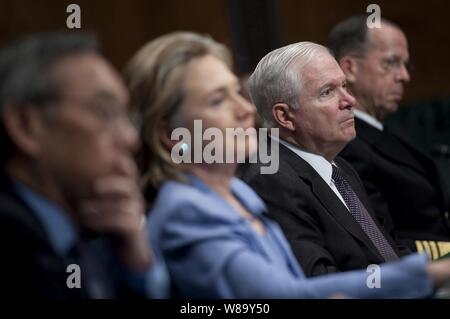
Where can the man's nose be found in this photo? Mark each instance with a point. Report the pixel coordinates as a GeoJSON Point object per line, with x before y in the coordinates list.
{"type": "Point", "coordinates": [128, 135]}
{"type": "Point", "coordinates": [403, 74]}
{"type": "Point", "coordinates": [347, 99]}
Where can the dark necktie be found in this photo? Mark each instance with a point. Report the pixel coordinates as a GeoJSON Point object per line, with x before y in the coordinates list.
{"type": "Point", "coordinates": [362, 216]}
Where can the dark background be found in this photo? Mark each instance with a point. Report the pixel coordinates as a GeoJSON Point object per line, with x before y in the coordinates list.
{"type": "Point", "coordinates": [250, 27]}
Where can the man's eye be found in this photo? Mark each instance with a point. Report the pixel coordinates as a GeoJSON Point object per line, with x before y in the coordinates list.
{"type": "Point", "coordinates": [326, 92]}
{"type": "Point", "coordinates": [111, 114]}
{"type": "Point", "coordinates": [105, 113]}
{"type": "Point", "coordinates": [392, 63]}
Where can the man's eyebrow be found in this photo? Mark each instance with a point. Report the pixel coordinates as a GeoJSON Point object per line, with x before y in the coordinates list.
{"type": "Point", "coordinates": [397, 57]}
{"type": "Point", "coordinates": [330, 83]}
{"type": "Point", "coordinates": [106, 97]}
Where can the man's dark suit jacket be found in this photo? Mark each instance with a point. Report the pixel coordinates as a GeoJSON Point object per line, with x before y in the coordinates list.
{"type": "Point", "coordinates": [403, 185]}
{"type": "Point", "coordinates": [323, 234]}
{"type": "Point", "coordinates": [29, 266]}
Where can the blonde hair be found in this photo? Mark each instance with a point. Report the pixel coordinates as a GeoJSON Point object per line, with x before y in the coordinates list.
{"type": "Point", "coordinates": [155, 78]}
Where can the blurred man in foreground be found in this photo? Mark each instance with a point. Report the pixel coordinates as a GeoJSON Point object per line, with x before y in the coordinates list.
{"type": "Point", "coordinates": [71, 215]}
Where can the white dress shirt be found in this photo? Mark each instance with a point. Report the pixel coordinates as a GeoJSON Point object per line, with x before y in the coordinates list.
{"type": "Point", "coordinates": [369, 119]}
{"type": "Point", "coordinates": [318, 163]}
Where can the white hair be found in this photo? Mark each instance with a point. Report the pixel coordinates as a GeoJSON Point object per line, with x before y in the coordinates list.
{"type": "Point", "coordinates": [277, 77]}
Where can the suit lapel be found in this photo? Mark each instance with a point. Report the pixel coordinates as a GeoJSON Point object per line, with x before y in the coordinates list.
{"type": "Point", "coordinates": [397, 149]}
{"type": "Point", "coordinates": [390, 146]}
{"type": "Point", "coordinates": [327, 197]}
{"type": "Point", "coordinates": [426, 164]}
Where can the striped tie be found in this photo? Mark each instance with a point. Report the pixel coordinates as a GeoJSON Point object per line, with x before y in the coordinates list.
{"type": "Point", "coordinates": [362, 216]}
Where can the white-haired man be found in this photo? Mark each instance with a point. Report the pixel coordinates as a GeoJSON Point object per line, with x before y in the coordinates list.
{"type": "Point", "coordinates": [317, 197]}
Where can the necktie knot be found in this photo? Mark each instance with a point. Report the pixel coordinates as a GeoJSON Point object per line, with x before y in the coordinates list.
{"type": "Point", "coordinates": [336, 174]}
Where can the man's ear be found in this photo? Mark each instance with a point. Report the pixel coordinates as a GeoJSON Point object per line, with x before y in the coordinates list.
{"type": "Point", "coordinates": [283, 116]}
{"type": "Point", "coordinates": [24, 126]}
{"type": "Point", "coordinates": [349, 67]}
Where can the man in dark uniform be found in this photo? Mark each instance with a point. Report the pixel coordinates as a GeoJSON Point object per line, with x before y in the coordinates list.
{"type": "Point", "coordinates": [403, 183]}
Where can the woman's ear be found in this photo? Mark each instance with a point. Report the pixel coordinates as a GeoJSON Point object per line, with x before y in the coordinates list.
{"type": "Point", "coordinates": [165, 134]}
{"type": "Point", "coordinates": [283, 116]}
{"type": "Point", "coordinates": [25, 127]}
{"type": "Point", "coordinates": [350, 68]}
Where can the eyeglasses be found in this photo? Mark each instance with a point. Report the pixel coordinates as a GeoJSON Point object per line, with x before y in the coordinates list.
{"type": "Point", "coordinates": [392, 64]}
{"type": "Point", "coordinates": [395, 64]}
{"type": "Point", "coordinates": [109, 114]}
{"type": "Point", "coordinates": [107, 111]}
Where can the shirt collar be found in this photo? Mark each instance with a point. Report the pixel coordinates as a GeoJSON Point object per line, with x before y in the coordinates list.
{"type": "Point", "coordinates": [318, 162]}
{"type": "Point", "coordinates": [369, 119]}
{"type": "Point", "coordinates": [61, 231]}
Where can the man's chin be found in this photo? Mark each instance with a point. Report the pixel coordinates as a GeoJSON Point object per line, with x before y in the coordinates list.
{"type": "Point", "coordinates": [350, 135]}
{"type": "Point", "coordinates": [391, 106]}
